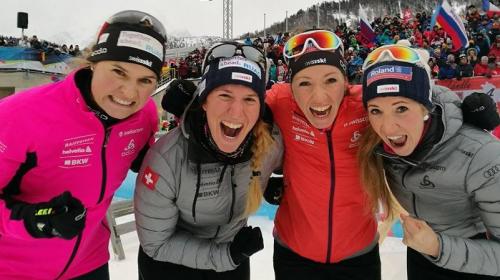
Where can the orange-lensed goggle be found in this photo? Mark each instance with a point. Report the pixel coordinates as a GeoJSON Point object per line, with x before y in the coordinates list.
{"type": "Point", "coordinates": [396, 52]}
{"type": "Point", "coordinates": [320, 39]}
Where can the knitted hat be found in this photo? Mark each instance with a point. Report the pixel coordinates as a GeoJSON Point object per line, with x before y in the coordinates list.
{"type": "Point", "coordinates": [140, 42]}
{"type": "Point", "coordinates": [233, 70]}
{"type": "Point", "coordinates": [314, 57]}
{"type": "Point", "coordinates": [389, 77]}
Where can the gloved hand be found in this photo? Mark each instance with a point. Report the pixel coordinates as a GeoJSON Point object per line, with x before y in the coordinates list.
{"type": "Point", "coordinates": [63, 216]}
{"type": "Point", "coordinates": [246, 242]}
{"type": "Point", "coordinates": [177, 96]}
{"type": "Point", "coordinates": [274, 190]}
{"type": "Point", "coordinates": [480, 110]}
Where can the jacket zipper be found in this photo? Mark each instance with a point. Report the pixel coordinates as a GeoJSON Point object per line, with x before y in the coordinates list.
{"type": "Point", "coordinates": [233, 186]}
{"type": "Point", "coordinates": [103, 188]}
{"type": "Point", "coordinates": [107, 132]}
{"type": "Point", "coordinates": [413, 197]}
{"type": "Point", "coordinates": [332, 194]}
{"type": "Point", "coordinates": [73, 254]}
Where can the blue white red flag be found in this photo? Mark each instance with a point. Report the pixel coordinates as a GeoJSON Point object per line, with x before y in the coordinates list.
{"type": "Point", "coordinates": [451, 24]}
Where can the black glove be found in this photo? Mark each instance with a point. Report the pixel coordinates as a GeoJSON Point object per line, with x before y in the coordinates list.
{"type": "Point", "coordinates": [246, 242]}
{"type": "Point", "coordinates": [480, 110]}
{"type": "Point", "coordinates": [63, 216]}
{"type": "Point", "coordinates": [177, 96]}
{"type": "Point", "coordinates": [274, 190]}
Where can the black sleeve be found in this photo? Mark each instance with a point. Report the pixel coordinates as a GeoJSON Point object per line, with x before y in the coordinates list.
{"type": "Point", "coordinates": [274, 190]}
{"type": "Point", "coordinates": [136, 164]}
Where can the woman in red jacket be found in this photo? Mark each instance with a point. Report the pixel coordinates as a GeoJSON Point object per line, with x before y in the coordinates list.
{"type": "Point", "coordinates": [323, 228]}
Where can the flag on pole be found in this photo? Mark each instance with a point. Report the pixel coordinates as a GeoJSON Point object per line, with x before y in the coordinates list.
{"type": "Point", "coordinates": [451, 24]}
{"type": "Point", "coordinates": [490, 9]}
{"type": "Point", "coordinates": [365, 27]}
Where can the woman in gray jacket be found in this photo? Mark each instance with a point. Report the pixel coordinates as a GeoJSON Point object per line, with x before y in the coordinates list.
{"type": "Point", "coordinates": [445, 173]}
{"type": "Point", "coordinates": [200, 182]}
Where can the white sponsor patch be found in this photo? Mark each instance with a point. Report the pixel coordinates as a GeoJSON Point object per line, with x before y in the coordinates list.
{"type": "Point", "coordinates": [387, 88]}
{"type": "Point", "coordinates": [241, 62]}
{"type": "Point", "coordinates": [78, 162]}
{"type": "Point", "coordinates": [241, 77]}
{"type": "Point", "coordinates": [141, 42]}
{"type": "Point", "coordinates": [3, 147]}
{"type": "Point", "coordinates": [80, 140]}
{"type": "Point", "coordinates": [130, 131]}
{"type": "Point", "coordinates": [103, 38]}
{"type": "Point", "coordinates": [140, 60]}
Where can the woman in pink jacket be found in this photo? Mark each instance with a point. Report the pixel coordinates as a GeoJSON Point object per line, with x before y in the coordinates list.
{"type": "Point", "coordinates": [61, 165]}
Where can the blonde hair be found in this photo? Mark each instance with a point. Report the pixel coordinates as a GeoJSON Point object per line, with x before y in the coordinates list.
{"type": "Point", "coordinates": [262, 142]}
{"type": "Point", "coordinates": [373, 176]}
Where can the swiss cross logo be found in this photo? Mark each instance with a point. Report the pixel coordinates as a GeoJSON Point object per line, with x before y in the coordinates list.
{"type": "Point", "coordinates": [149, 178]}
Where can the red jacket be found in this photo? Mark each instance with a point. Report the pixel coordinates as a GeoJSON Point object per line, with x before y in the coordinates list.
{"type": "Point", "coordinates": [496, 132]}
{"type": "Point", "coordinates": [324, 214]}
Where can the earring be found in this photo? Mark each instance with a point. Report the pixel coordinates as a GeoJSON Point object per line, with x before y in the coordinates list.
{"type": "Point", "coordinates": [426, 117]}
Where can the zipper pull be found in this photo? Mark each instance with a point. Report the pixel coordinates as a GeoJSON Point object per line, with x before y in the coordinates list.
{"type": "Point", "coordinates": [106, 137]}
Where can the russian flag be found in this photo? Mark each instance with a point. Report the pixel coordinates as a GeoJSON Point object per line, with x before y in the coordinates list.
{"type": "Point", "coordinates": [365, 27]}
{"type": "Point", "coordinates": [451, 24]}
{"type": "Point", "coordinates": [490, 9]}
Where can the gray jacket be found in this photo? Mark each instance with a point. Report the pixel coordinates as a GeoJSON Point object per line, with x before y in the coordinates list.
{"type": "Point", "coordinates": [454, 186]}
{"type": "Point", "coordinates": [185, 221]}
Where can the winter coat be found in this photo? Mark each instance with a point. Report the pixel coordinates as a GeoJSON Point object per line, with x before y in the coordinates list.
{"type": "Point", "coordinates": [51, 128]}
{"type": "Point", "coordinates": [189, 205]}
{"type": "Point", "coordinates": [324, 214]}
{"type": "Point", "coordinates": [454, 185]}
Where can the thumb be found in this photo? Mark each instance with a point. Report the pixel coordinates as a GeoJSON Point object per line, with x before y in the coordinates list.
{"type": "Point", "coordinates": [412, 225]}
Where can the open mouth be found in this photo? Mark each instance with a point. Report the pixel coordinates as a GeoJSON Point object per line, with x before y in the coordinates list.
{"type": "Point", "coordinates": [230, 130]}
{"type": "Point", "coordinates": [320, 112]}
{"type": "Point", "coordinates": [121, 101]}
{"type": "Point", "coordinates": [397, 141]}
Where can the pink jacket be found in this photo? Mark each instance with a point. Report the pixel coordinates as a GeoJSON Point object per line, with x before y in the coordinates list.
{"type": "Point", "coordinates": [52, 123]}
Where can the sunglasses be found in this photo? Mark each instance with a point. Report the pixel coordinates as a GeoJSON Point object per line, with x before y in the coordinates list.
{"type": "Point", "coordinates": [396, 52]}
{"type": "Point", "coordinates": [138, 18]}
{"type": "Point", "coordinates": [321, 39]}
{"type": "Point", "coordinates": [232, 49]}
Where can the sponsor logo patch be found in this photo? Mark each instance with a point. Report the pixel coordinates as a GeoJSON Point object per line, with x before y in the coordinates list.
{"type": "Point", "coordinates": [356, 121]}
{"type": "Point", "coordinates": [140, 60]}
{"type": "Point", "coordinates": [130, 149]}
{"type": "Point", "coordinates": [241, 77]}
{"type": "Point", "coordinates": [389, 72]}
{"type": "Point", "coordinates": [130, 132]}
{"type": "Point", "coordinates": [316, 61]}
{"type": "Point", "coordinates": [387, 88]}
{"type": "Point", "coordinates": [492, 171]}
{"type": "Point", "coordinates": [99, 51]}
{"type": "Point", "coordinates": [241, 62]}
{"type": "Point", "coordinates": [140, 41]}
{"type": "Point", "coordinates": [150, 178]}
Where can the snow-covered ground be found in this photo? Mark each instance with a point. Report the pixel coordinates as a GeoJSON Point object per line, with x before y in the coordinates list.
{"type": "Point", "coordinates": [392, 251]}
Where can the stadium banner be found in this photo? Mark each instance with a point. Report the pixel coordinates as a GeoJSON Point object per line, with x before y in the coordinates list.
{"type": "Point", "coordinates": [466, 86]}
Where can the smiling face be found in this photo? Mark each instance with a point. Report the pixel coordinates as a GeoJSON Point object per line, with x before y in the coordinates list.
{"type": "Point", "coordinates": [398, 121]}
{"type": "Point", "coordinates": [121, 88]}
{"type": "Point", "coordinates": [319, 90]}
{"type": "Point", "coordinates": [232, 111]}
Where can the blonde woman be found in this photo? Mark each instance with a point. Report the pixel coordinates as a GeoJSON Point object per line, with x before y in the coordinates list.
{"type": "Point", "coordinates": [199, 183]}
{"type": "Point", "coordinates": [443, 172]}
